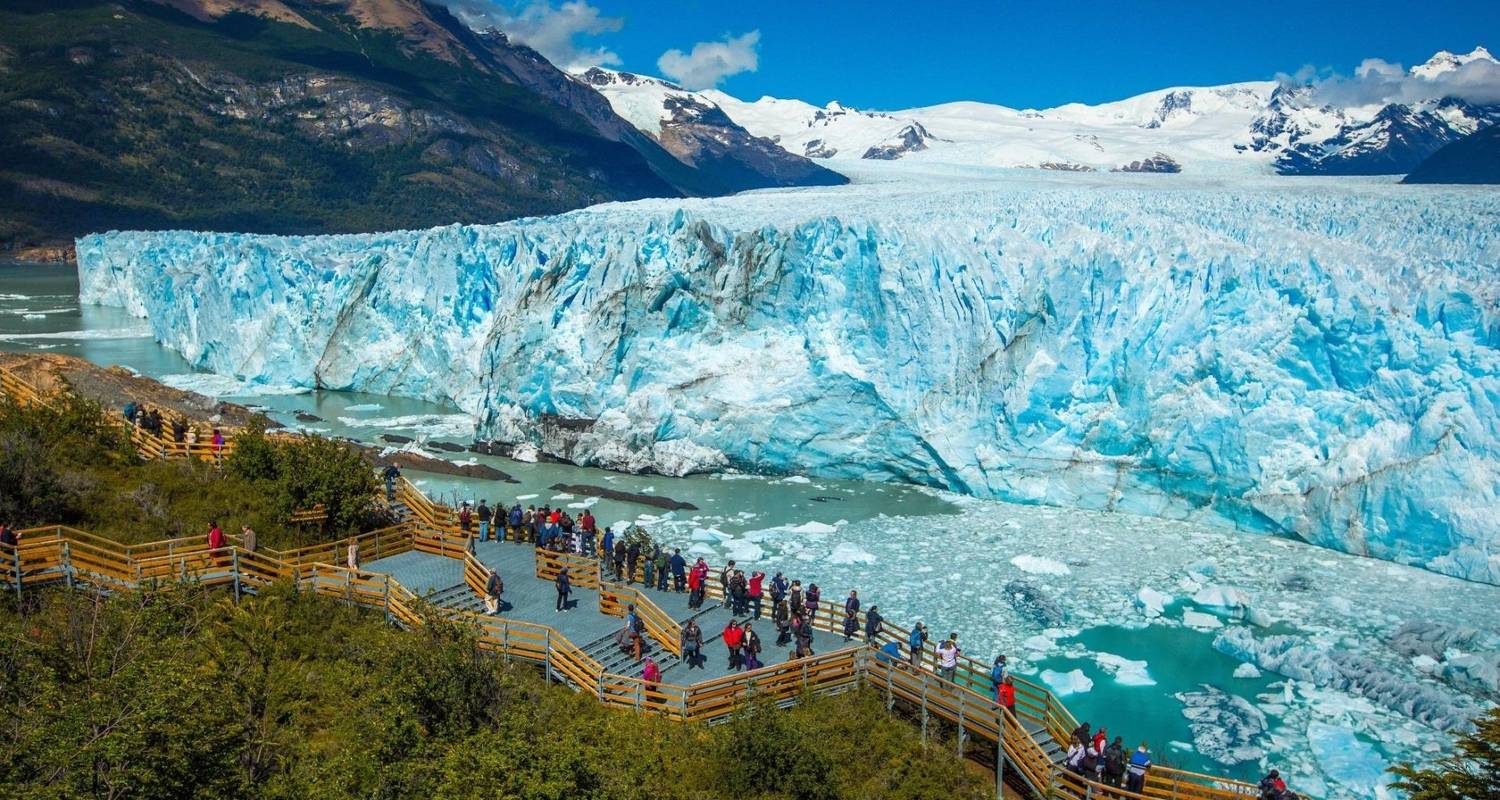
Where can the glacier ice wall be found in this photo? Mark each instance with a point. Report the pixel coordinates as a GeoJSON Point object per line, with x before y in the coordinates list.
{"type": "Point", "coordinates": [1319, 359]}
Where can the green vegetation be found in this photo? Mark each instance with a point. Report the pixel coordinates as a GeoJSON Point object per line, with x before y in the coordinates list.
{"type": "Point", "coordinates": [1470, 773]}
{"type": "Point", "coordinates": [68, 465]}
{"type": "Point", "coordinates": [183, 693]}
{"type": "Point", "coordinates": [134, 115]}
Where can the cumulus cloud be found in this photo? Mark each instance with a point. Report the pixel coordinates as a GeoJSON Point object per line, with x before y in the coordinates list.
{"type": "Point", "coordinates": [553, 31]}
{"type": "Point", "coordinates": [711, 62]}
{"type": "Point", "coordinates": [1376, 81]}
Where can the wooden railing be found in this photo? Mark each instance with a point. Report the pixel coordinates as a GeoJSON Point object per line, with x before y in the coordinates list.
{"type": "Point", "coordinates": [614, 599]}
{"type": "Point", "coordinates": [57, 553]}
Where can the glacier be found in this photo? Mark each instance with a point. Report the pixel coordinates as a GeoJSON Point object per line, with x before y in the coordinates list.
{"type": "Point", "coordinates": [1313, 358]}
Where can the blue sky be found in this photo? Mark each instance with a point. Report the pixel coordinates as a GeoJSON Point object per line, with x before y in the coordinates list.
{"type": "Point", "coordinates": [895, 54]}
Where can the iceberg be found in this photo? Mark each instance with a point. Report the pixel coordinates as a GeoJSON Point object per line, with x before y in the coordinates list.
{"type": "Point", "coordinates": [1316, 361]}
{"type": "Point", "coordinates": [1066, 683]}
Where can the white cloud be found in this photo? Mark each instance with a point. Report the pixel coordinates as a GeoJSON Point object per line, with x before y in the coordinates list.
{"type": "Point", "coordinates": [552, 31]}
{"type": "Point", "coordinates": [1376, 81]}
{"type": "Point", "coordinates": [711, 62]}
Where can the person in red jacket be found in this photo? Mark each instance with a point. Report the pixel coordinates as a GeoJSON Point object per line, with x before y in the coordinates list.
{"type": "Point", "coordinates": [754, 592]}
{"type": "Point", "coordinates": [733, 637]}
{"type": "Point", "coordinates": [651, 674]}
{"type": "Point", "coordinates": [216, 542]}
{"type": "Point", "coordinates": [1008, 695]}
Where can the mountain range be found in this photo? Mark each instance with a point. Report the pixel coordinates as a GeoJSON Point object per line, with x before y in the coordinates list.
{"type": "Point", "coordinates": [324, 116]}
{"type": "Point", "coordinates": [1253, 127]}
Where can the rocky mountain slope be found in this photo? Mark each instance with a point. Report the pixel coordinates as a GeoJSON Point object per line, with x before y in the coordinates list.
{"type": "Point", "coordinates": [1472, 159]}
{"type": "Point", "coordinates": [301, 116]}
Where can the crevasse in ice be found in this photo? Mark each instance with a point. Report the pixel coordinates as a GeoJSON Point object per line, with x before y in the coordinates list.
{"type": "Point", "coordinates": [1319, 359]}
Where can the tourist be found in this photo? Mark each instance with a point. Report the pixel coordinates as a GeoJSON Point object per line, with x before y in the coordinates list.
{"type": "Point", "coordinates": [619, 556]}
{"type": "Point", "coordinates": [692, 644]}
{"type": "Point", "coordinates": [130, 409]}
{"type": "Point", "coordinates": [733, 637]}
{"type": "Point", "coordinates": [1097, 747]}
{"type": "Point", "coordinates": [679, 571]}
{"type": "Point", "coordinates": [493, 588]}
{"type": "Point", "coordinates": [651, 675]}
{"type": "Point", "coordinates": [663, 562]}
{"type": "Point", "coordinates": [247, 539]}
{"type": "Point", "coordinates": [179, 430]}
{"type": "Point", "coordinates": [587, 521]}
{"type": "Point", "coordinates": [632, 559]}
{"type": "Point", "coordinates": [695, 590]}
{"type": "Point", "coordinates": [528, 524]}
{"type": "Point", "coordinates": [190, 441]}
{"type": "Point", "coordinates": [872, 625]}
{"type": "Point", "coordinates": [218, 442]}
{"type": "Point", "coordinates": [607, 546]}
{"type": "Point", "coordinates": [1135, 773]}
{"type": "Point", "coordinates": [754, 591]}
{"type": "Point", "coordinates": [465, 518]}
{"type": "Point", "coordinates": [1114, 760]}
{"type": "Point", "coordinates": [914, 643]}
{"type": "Point", "coordinates": [483, 514]}
{"type": "Point", "coordinates": [997, 675]}
{"type": "Point", "coordinates": [803, 632]}
{"type": "Point", "coordinates": [1081, 733]}
{"type": "Point", "coordinates": [778, 589]}
{"type": "Point", "coordinates": [351, 556]}
{"type": "Point", "coordinates": [1089, 768]}
{"type": "Point", "coordinates": [851, 615]}
{"type": "Point", "coordinates": [1007, 697]}
{"type": "Point", "coordinates": [1272, 787]}
{"type": "Point", "coordinates": [794, 598]}
{"type": "Point", "coordinates": [947, 653]}
{"type": "Point", "coordinates": [564, 586]}
{"type": "Point", "coordinates": [389, 474]}
{"type": "Point", "coordinates": [651, 566]}
{"type": "Point", "coordinates": [216, 543]}
{"type": "Point", "coordinates": [781, 616]}
{"type": "Point", "coordinates": [724, 576]}
{"type": "Point", "coordinates": [514, 529]}
{"type": "Point", "coordinates": [889, 653]}
{"type": "Point", "coordinates": [750, 646]}
{"type": "Point", "coordinates": [738, 599]}
{"type": "Point", "coordinates": [1074, 760]}
{"type": "Point", "coordinates": [8, 539]}
{"type": "Point", "coordinates": [810, 602]}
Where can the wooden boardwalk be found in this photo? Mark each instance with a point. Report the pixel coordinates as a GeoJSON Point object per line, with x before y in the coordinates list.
{"type": "Point", "coordinates": [425, 567]}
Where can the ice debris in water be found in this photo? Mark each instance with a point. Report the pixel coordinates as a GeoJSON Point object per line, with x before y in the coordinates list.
{"type": "Point", "coordinates": [1216, 352]}
{"type": "Point", "coordinates": [1246, 671]}
{"type": "Point", "coordinates": [1038, 565]}
{"type": "Point", "coordinates": [1225, 728]}
{"type": "Point", "coordinates": [1151, 602]}
{"type": "Point", "coordinates": [1066, 683]}
{"type": "Point", "coordinates": [1348, 760]}
{"type": "Point", "coordinates": [848, 553]}
{"type": "Point", "coordinates": [1126, 671]}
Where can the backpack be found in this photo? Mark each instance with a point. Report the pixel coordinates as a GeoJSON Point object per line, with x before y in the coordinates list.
{"type": "Point", "coordinates": [1114, 761]}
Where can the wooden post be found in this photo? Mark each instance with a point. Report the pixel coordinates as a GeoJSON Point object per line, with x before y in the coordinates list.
{"type": "Point", "coordinates": [962, 732]}
{"type": "Point", "coordinates": [638, 689]}
{"type": "Point", "coordinates": [924, 708]}
{"type": "Point", "coordinates": [547, 658]}
{"type": "Point", "coordinates": [16, 552]}
{"type": "Point", "coordinates": [234, 556]}
{"type": "Point", "coordinates": [387, 598]}
{"type": "Point", "coordinates": [67, 554]}
{"type": "Point", "coordinates": [1000, 755]}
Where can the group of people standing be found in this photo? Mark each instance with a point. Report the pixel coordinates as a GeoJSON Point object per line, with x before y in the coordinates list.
{"type": "Point", "coordinates": [1108, 762]}
{"type": "Point", "coordinates": [181, 431]}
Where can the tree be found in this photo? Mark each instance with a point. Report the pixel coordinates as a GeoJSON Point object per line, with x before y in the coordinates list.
{"type": "Point", "coordinates": [1470, 773]}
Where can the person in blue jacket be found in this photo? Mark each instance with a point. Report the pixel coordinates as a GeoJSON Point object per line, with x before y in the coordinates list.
{"type": "Point", "coordinates": [1140, 764]}
{"type": "Point", "coordinates": [679, 571]}
{"type": "Point", "coordinates": [564, 588]}
{"type": "Point", "coordinates": [914, 644]}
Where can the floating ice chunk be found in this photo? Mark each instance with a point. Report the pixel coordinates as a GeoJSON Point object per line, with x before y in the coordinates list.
{"type": "Point", "coordinates": [848, 553]}
{"type": "Point", "coordinates": [1222, 597]}
{"type": "Point", "coordinates": [713, 535]}
{"type": "Point", "coordinates": [1151, 602]}
{"type": "Point", "coordinates": [527, 496]}
{"type": "Point", "coordinates": [1066, 683]}
{"type": "Point", "coordinates": [743, 551]}
{"type": "Point", "coordinates": [1037, 565]}
{"type": "Point", "coordinates": [1200, 620]}
{"type": "Point", "coordinates": [1246, 671]}
{"type": "Point", "coordinates": [562, 496]}
{"type": "Point", "coordinates": [586, 503]}
{"type": "Point", "coordinates": [1347, 759]}
{"type": "Point", "coordinates": [795, 479]}
{"type": "Point", "coordinates": [33, 316]}
{"type": "Point", "coordinates": [1339, 604]}
{"type": "Point", "coordinates": [225, 386]}
{"type": "Point", "coordinates": [812, 528]}
{"type": "Point", "coordinates": [1040, 643]}
{"type": "Point", "coordinates": [1126, 671]}
{"type": "Point", "coordinates": [525, 452]}
{"type": "Point", "coordinates": [421, 424]}
{"type": "Point", "coordinates": [1205, 567]}
{"type": "Point", "coordinates": [363, 408]}
{"type": "Point", "coordinates": [1225, 727]}
{"type": "Point", "coordinates": [701, 549]}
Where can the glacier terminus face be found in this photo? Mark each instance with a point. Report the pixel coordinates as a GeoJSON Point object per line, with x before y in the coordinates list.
{"type": "Point", "coordinates": [1314, 358]}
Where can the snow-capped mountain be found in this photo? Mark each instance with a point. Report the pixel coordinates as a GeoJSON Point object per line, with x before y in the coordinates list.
{"type": "Point", "coordinates": [698, 132]}
{"type": "Point", "coordinates": [1251, 127]}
